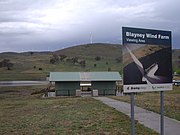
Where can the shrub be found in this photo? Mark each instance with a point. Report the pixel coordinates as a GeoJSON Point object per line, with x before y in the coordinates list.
{"type": "Point", "coordinates": [119, 60]}
{"type": "Point", "coordinates": [52, 61]}
{"type": "Point", "coordinates": [62, 57]}
{"type": "Point", "coordinates": [31, 53]}
{"type": "Point", "coordinates": [82, 63]}
{"type": "Point", "coordinates": [97, 58]}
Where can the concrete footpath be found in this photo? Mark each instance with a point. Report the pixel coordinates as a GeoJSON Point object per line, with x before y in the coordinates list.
{"type": "Point", "coordinates": [145, 117]}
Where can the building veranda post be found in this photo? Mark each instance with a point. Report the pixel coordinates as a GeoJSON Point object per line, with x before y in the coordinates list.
{"type": "Point", "coordinates": [66, 83]}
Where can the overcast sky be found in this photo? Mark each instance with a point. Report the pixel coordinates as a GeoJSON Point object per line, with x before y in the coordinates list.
{"type": "Point", "coordinates": [34, 25]}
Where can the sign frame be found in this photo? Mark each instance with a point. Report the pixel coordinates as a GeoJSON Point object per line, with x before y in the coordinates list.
{"type": "Point", "coordinates": [152, 73]}
{"type": "Point", "coordinates": [148, 78]}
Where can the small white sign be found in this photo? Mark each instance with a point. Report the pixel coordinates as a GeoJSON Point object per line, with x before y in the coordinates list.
{"type": "Point", "coordinates": [147, 87]}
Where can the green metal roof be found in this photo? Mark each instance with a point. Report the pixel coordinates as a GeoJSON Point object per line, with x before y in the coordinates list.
{"type": "Point", "coordinates": [105, 76]}
{"type": "Point", "coordinates": [64, 76]}
{"type": "Point", "coordinates": [85, 76]}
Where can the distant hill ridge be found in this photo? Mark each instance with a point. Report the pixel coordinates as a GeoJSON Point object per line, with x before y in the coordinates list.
{"type": "Point", "coordinates": [103, 49]}
{"type": "Point", "coordinates": [23, 62]}
{"type": "Point", "coordinates": [36, 65]}
{"type": "Point", "coordinates": [92, 50]}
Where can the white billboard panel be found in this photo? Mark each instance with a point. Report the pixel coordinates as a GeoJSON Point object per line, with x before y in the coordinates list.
{"type": "Point", "coordinates": [147, 60]}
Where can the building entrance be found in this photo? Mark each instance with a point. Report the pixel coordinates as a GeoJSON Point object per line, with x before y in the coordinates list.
{"type": "Point", "coordinates": [85, 86]}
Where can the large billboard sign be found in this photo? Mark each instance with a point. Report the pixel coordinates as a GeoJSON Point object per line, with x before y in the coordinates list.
{"type": "Point", "coordinates": [147, 60]}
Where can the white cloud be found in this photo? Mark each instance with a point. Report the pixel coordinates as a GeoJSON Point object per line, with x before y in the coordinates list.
{"type": "Point", "coordinates": [36, 23]}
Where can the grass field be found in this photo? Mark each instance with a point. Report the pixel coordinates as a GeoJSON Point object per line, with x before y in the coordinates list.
{"type": "Point", "coordinates": [151, 101]}
{"type": "Point", "coordinates": [22, 113]}
{"type": "Point", "coordinates": [26, 66]}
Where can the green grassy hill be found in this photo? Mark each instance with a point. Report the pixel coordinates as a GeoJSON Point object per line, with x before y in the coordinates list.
{"type": "Point", "coordinates": [176, 60]}
{"type": "Point", "coordinates": [37, 65]}
{"type": "Point", "coordinates": [28, 66]}
{"type": "Point", "coordinates": [91, 50]}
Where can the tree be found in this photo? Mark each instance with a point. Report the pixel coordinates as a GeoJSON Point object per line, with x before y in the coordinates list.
{"type": "Point", "coordinates": [56, 57]}
{"type": "Point", "coordinates": [52, 61]}
{"type": "Point", "coordinates": [95, 65]}
{"type": "Point", "coordinates": [82, 63]}
{"type": "Point", "coordinates": [31, 53]}
{"type": "Point", "coordinates": [62, 57]}
{"type": "Point", "coordinates": [9, 66]}
{"type": "Point", "coordinates": [178, 71]}
{"type": "Point", "coordinates": [97, 58]}
{"type": "Point", "coordinates": [69, 60]}
{"type": "Point", "coordinates": [119, 60]}
{"type": "Point", "coordinates": [75, 60]}
{"type": "Point", "coordinates": [6, 63]}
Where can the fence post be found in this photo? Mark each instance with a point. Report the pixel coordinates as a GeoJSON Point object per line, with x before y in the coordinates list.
{"type": "Point", "coordinates": [68, 93]}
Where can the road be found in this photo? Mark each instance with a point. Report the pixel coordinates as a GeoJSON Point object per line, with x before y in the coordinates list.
{"type": "Point", "coordinates": [22, 83]}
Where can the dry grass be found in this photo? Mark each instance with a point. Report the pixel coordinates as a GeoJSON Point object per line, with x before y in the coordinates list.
{"type": "Point", "coordinates": [25, 114]}
{"type": "Point", "coordinates": [26, 66]}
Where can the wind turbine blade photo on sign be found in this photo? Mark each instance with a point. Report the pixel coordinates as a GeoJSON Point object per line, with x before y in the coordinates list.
{"type": "Point", "coordinates": [148, 75]}
{"type": "Point", "coordinates": [138, 63]}
{"type": "Point", "coordinates": [152, 70]}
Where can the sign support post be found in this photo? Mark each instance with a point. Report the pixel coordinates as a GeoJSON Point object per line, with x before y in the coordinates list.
{"type": "Point", "coordinates": [132, 113]}
{"type": "Point", "coordinates": [162, 112]}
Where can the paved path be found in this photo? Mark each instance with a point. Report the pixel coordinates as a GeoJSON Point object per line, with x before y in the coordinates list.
{"type": "Point", "coordinates": [145, 117]}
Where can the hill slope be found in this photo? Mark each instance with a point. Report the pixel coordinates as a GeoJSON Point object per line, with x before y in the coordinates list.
{"type": "Point", "coordinates": [176, 60]}
{"type": "Point", "coordinates": [36, 66]}
{"type": "Point", "coordinates": [92, 50]}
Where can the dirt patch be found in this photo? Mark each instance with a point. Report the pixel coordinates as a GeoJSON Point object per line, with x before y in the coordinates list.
{"type": "Point", "coordinates": [25, 92]}
{"type": "Point", "coordinates": [9, 91]}
{"type": "Point", "coordinates": [15, 92]}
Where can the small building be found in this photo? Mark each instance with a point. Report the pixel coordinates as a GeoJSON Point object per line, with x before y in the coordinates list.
{"type": "Point", "coordinates": [66, 83]}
